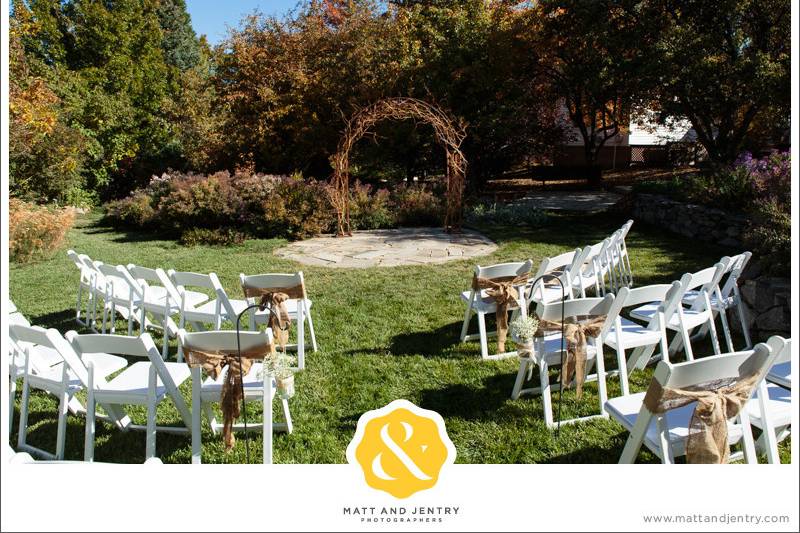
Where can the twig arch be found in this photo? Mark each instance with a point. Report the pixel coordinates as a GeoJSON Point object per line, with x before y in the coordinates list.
{"type": "Point", "coordinates": [450, 133]}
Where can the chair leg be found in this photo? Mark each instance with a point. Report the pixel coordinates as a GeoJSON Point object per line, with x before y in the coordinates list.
{"type": "Point", "coordinates": [266, 433]}
{"type": "Point", "coordinates": [301, 336]}
{"type": "Point", "coordinates": [523, 368]}
{"type": "Point", "coordinates": [547, 403]}
{"type": "Point", "coordinates": [91, 421]}
{"type": "Point", "coordinates": [750, 455]}
{"type": "Point", "coordinates": [311, 330]}
{"type": "Point", "coordinates": [743, 321]}
{"type": "Point", "coordinates": [197, 450]}
{"type": "Point", "coordinates": [663, 440]}
{"type": "Point", "coordinates": [484, 339]}
{"type": "Point", "coordinates": [150, 446]}
{"type": "Point", "coordinates": [601, 378]}
{"type": "Point", "coordinates": [726, 329]}
{"type": "Point", "coordinates": [61, 433]}
{"type": "Point", "coordinates": [636, 437]}
{"type": "Point", "coordinates": [23, 412]}
{"type": "Point", "coordinates": [12, 390]}
{"type": "Point", "coordinates": [622, 365]}
{"type": "Point", "coordinates": [78, 305]}
{"type": "Point", "coordinates": [287, 416]}
{"type": "Point", "coordinates": [465, 325]}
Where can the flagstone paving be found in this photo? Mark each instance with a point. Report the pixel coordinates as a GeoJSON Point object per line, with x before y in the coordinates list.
{"type": "Point", "coordinates": [392, 247]}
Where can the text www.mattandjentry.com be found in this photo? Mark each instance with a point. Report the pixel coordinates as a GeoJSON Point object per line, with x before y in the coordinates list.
{"type": "Point", "coordinates": [718, 518]}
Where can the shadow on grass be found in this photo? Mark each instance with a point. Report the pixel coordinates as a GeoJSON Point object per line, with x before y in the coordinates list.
{"type": "Point", "coordinates": [426, 343]}
{"type": "Point", "coordinates": [468, 402]}
{"type": "Point", "coordinates": [63, 321]}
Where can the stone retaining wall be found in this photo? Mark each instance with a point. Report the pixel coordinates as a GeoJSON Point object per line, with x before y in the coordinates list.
{"type": "Point", "coordinates": [697, 222]}
{"type": "Point", "coordinates": [766, 298]}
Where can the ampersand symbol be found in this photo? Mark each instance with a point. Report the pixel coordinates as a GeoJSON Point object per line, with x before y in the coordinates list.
{"type": "Point", "coordinates": [401, 451]}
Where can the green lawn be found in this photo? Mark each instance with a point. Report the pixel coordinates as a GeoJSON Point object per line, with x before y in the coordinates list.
{"type": "Point", "coordinates": [384, 334]}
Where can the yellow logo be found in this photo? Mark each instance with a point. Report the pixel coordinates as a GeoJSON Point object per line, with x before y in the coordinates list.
{"type": "Point", "coordinates": [401, 448]}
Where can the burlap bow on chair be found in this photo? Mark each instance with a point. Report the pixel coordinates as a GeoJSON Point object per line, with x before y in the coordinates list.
{"type": "Point", "coordinates": [214, 363]}
{"type": "Point", "coordinates": [274, 298]}
{"type": "Point", "coordinates": [575, 334]}
{"type": "Point", "coordinates": [505, 292]}
{"type": "Point", "coordinates": [717, 402]}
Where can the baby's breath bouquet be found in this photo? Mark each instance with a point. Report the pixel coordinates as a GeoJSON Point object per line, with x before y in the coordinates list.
{"type": "Point", "coordinates": [523, 328]}
{"type": "Point", "coordinates": [280, 366]}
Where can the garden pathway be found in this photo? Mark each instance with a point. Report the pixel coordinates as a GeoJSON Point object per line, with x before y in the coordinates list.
{"type": "Point", "coordinates": [392, 247]}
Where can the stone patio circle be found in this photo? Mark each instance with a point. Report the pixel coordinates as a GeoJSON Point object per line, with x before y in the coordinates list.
{"type": "Point", "coordinates": [389, 247]}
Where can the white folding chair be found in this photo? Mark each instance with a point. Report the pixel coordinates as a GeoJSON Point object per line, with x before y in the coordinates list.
{"type": "Point", "coordinates": [727, 298]}
{"type": "Point", "coordinates": [684, 321]}
{"type": "Point", "coordinates": [298, 308]}
{"type": "Point", "coordinates": [665, 434]}
{"type": "Point", "coordinates": [547, 353]}
{"type": "Point", "coordinates": [771, 411]}
{"type": "Point", "coordinates": [589, 276]}
{"type": "Point", "coordinates": [145, 383]}
{"type": "Point", "coordinates": [625, 260]}
{"type": "Point", "coordinates": [51, 365]}
{"type": "Point", "coordinates": [479, 303]}
{"type": "Point", "coordinates": [85, 284]}
{"type": "Point", "coordinates": [162, 299]}
{"type": "Point", "coordinates": [548, 289]}
{"type": "Point", "coordinates": [626, 334]}
{"type": "Point", "coordinates": [214, 311]}
{"type": "Point", "coordinates": [120, 294]}
{"type": "Point", "coordinates": [205, 393]}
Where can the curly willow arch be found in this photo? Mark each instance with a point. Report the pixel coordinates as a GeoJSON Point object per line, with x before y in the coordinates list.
{"type": "Point", "coordinates": [450, 133]}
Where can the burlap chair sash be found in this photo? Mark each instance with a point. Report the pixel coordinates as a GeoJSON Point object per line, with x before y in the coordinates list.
{"type": "Point", "coordinates": [213, 362]}
{"type": "Point", "coordinates": [506, 292]}
{"type": "Point", "coordinates": [275, 298]}
{"type": "Point", "coordinates": [717, 402]}
{"type": "Point", "coordinates": [576, 330]}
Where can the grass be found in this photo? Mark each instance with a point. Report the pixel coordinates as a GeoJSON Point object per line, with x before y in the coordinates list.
{"type": "Point", "coordinates": [384, 334]}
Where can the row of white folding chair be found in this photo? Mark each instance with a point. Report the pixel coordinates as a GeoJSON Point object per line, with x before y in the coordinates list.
{"type": "Point", "coordinates": [665, 434]}
{"type": "Point", "coordinates": [685, 320]}
{"type": "Point", "coordinates": [99, 289]}
{"type": "Point", "coordinates": [605, 266]}
{"type": "Point", "coordinates": [727, 297]}
{"type": "Point", "coordinates": [552, 282]}
{"type": "Point", "coordinates": [86, 363]}
{"type": "Point", "coordinates": [136, 291]}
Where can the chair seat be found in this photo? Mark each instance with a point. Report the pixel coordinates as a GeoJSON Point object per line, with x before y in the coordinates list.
{"type": "Point", "coordinates": [253, 384]}
{"type": "Point", "coordinates": [130, 386]}
{"type": "Point", "coordinates": [781, 374]}
{"type": "Point", "coordinates": [625, 409]}
{"type": "Point", "coordinates": [779, 407]}
{"type": "Point", "coordinates": [207, 310]}
{"type": "Point", "coordinates": [633, 335]}
{"type": "Point", "coordinates": [483, 304]}
{"type": "Point", "coordinates": [549, 293]}
{"type": "Point", "coordinates": [691, 296]}
{"type": "Point", "coordinates": [105, 364]}
{"type": "Point", "coordinates": [552, 350]}
{"type": "Point", "coordinates": [691, 318]}
{"type": "Point", "coordinates": [156, 295]}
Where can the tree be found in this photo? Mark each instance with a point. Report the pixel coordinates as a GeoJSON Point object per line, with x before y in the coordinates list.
{"type": "Point", "coordinates": [594, 54]}
{"type": "Point", "coordinates": [179, 42]}
{"type": "Point", "coordinates": [723, 65]}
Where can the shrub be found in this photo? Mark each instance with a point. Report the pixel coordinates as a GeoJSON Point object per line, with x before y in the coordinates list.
{"type": "Point", "coordinates": [298, 209]}
{"type": "Point", "coordinates": [370, 209]}
{"type": "Point", "coordinates": [137, 209]}
{"type": "Point", "coordinates": [36, 232]}
{"type": "Point", "coordinates": [506, 214]}
{"type": "Point", "coordinates": [417, 206]}
{"type": "Point", "coordinates": [769, 236]}
{"type": "Point", "coordinates": [212, 237]}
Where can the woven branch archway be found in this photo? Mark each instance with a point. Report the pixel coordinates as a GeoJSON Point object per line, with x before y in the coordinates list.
{"type": "Point", "coordinates": [450, 133]}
